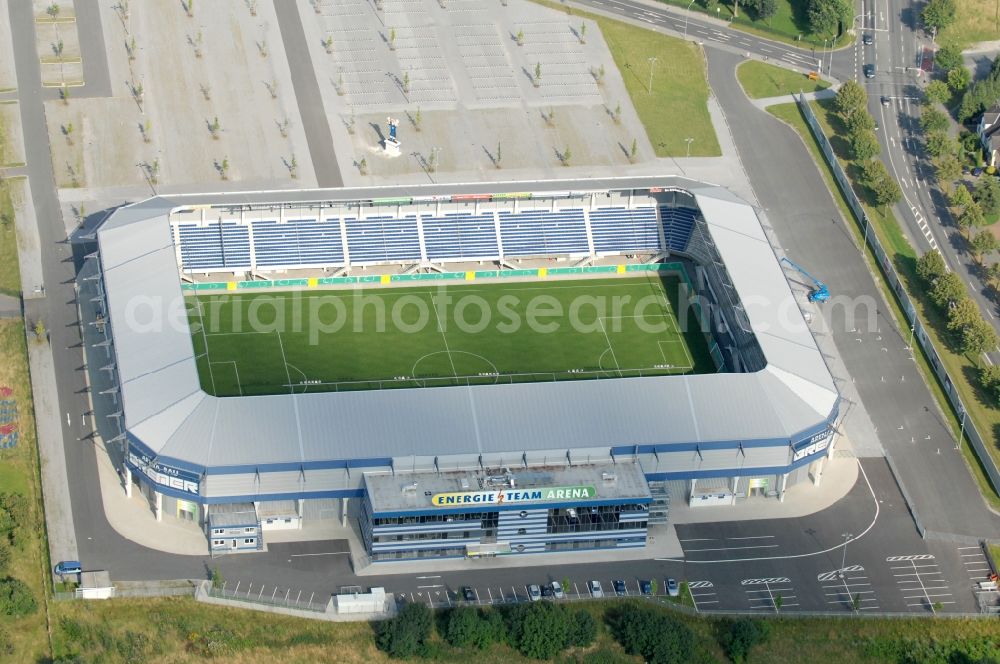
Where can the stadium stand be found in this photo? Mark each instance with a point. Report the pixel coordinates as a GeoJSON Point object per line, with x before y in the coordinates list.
{"type": "Point", "coordinates": [451, 236]}
{"type": "Point", "coordinates": [383, 239]}
{"type": "Point", "coordinates": [460, 236]}
{"type": "Point", "coordinates": [297, 242]}
{"type": "Point", "coordinates": [542, 233]}
{"type": "Point", "coordinates": [620, 230]}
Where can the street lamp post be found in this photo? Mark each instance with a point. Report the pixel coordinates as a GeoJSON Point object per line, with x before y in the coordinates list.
{"type": "Point", "coordinates": [843, 561]}
{"type": "Point", "coordinates": [689, 11]}
{"type": "Point", "coordinates": [652, 61]}
{"type": "Point", "coordinates": [689, 141]}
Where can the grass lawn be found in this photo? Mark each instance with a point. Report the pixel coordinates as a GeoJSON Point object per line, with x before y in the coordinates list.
{"type": "Point", "coordinates": [19, 473]}
{"type": "Point", "coordinates": [790, 24]}
{"type": "Point", "coordinates": [264, 343]}
{"type": "Point", "coordinates": [10, 275]}
{"type": "Point", "coordinates": [995, 555]}
{"type": "Point", "coordinates": [761, 80]}
{"type": "Point", "coordinates": [678, 107]}
{"type": "Point", "coordinates": [183, 631]}
{"type": "Point", "coordinates": [976, 21]}
{"type": "Point", "coordinates": [986, 417]}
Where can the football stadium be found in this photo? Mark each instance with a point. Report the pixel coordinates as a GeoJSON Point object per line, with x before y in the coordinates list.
{"type": "Point", "coordinates": [465, 370]}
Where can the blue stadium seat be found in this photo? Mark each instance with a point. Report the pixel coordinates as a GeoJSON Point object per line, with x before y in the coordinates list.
{"type": "Point", "coordinates": [678, 222]}
{"type": "Point", "coordinates": [383, 239]}
{"type": "Point", "coordinates": [215, 246]}
{"type": "Point", "coordinates": [543, 233]}
{"type": "Point", "coordinates": [298, 242]}
{"type": "Point", "coordinates": [620, 230]}
{"type": "Point", "coordinates": [460, 236]}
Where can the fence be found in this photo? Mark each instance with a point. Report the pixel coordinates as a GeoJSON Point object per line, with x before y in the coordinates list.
{"type": "Point", "coordinates": [909, 310]}
{"type": "Point", "coordinates": [541, 272]}
{"type": "Point", "coordinates": [151, 589]}
{"type": "Point", "coordinates": [270, 596]}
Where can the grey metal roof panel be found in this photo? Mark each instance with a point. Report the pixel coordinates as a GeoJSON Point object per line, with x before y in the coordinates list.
{"type": "Point", "coordinates": [160, 376]}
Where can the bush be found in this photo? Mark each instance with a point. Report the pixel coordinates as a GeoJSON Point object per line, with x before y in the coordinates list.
{"type": "Point", "coordinates": [948, 57]}
{"type": "Point", "coordinates": [469, 627]}
{"type": "Point", "coordinates": [6, 554]}
{"type": "Point", "coordinates": [583, 629]}
{"type": "Point", "coordinates": [13, 515]}
{"type": "Point", "coordinates": [6, 645]}
{"type": "Point", "coordinates": [539, 629]}
{"type": "Point", "coordinates": [16, 598]}
{"type": "Point", "coordinates": [405, 635]}
{"type": "Point", "coordinates": [989, 377]}
{"type": "Point", "coordinates": [659, 638]}
{"type": "Point", "coordinates": [742, 636]}
{"type": "Point", "coordinates": [930, 266]}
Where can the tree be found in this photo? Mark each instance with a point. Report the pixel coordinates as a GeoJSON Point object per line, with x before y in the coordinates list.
{"type": "Point", "coordinates": [582, 629]}
{"type": "Point", "coordinates": [989, 376]}
{"type": "Point", "coordinates": [947, 169]}
{"type": "Point", "coordinates": [964, 313]}
{"type": "Point", "coordinates": [406, 634]}
{"type": "Point", "coordinates": [538, 74]}
{"type": "Point", "coordinates": [214, 127]}
{"type": "Point", "coordinates": [859, 121]}
{"type": "Point", "coordinates": [939, 14]}
{"type": "Point", "coordinates": [959, 78]}
{"type": "Point", "coordinates": [864, 146]}
{"type": "Point", "coordinates": [932, 120]}
{"type": "Point", "coordinates": [937, 91]}
{"type": "Point", "coordinates": [938, 143]}
{"type": "Point", "coordinates": [633, 151]}
{"type": "Point", "coordinates": [53, 11]}
{"type": "Point", "coordinates": [566, 156]}
{"type": "Point", "coordinates": [948, 57]}
{"type": "Point", "coordinates": [583, 33]}
{"type": "Point", "coordinates": [406, 82]}
{"type": "Point", "coordinates": [987, 194]}
{"type": "Point", "coordinates": [16, 598]}
{"type": "Point", "coordinates": [960, 197]}
{"type": "Point", "coordinates": [40, 332]}
{"type": "Point", "coordinates": [418, 119]}
{"type": "Point", "coordinates": [978, 338]}
{"type": "Point", "coordinates": [885, 190]}
{"type": "Point", "coordinates": [519, 38]}
{"type": "Point", "coordinates": [948, 288]}
{"type": "Point", "coordinates": [539, 629]}
{"type": "Point", "coordinates": [468, 627]}
{"type": "Point", "coordinates": [930, 266]}
{"type": "Point", "coordinates": [392, 39]}
{"type": "Point", "coordinates": [742, 636]}
{"type": "Point", "coordinates": [850, 98]}
{"type": "Point", "coordinates": [657, 637]}
{"type": "Point", "coordinates": [766, 9]}
{"type": "Point", "coordinates": [217, 579]}
{"type": "Point", "coordinates": [971, 217]}
{"type": "Point", "coordinates": [826, 17]}
{"type": "Point", "coordinates": [985, 242]}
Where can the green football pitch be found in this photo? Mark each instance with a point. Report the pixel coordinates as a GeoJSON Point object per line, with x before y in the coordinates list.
{"type": "Point", "coordinates": [315, 341]}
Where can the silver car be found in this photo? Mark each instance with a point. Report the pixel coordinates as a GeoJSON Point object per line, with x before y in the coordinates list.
{"type": "Point", "coordinates": [595, 588]}
{"type": "Point", "coordinates": [557, 590]}
{"type": "Point", "coordinates": [534, 592]}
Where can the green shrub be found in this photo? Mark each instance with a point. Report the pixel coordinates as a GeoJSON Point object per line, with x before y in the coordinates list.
{"type": "Point", "coordinates": [742, 636]}
{"type": "Point", "coordinates": [539, 629]}
{"type": "Point", "coordinates": [16, 598]}
{"type": "Point", "coordinates": [657, 637]}
{"type": "Point", "coordinates": [470, 627]}
{"type": "Point", "coordinates": [405, 635]}
{"type": "Point", "coordinates": [582, 629]}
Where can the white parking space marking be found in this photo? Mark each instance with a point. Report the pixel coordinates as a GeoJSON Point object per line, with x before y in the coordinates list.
{"type": "Point", "coordinates": [920, 581]}
{"type": "Point", "coordinates": [848, 588]}
{"type": "Point", "coordinates": [975, 563]}
{"type": "Point", "coordinates": [703, 594]}
{"type": "Point", "coordinates": [768, 593]}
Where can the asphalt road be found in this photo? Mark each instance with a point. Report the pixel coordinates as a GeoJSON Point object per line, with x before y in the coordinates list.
{"type": "Point", "coordinates": [308, 96]}
{"type": "Point", "coordinates": [809, 226]}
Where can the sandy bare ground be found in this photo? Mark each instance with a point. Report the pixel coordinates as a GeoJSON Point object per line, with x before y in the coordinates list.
{"type": "Point", "coordinates": [8, 79]}
{"type": "Point", "coordinates": [202, 97]}
{"type": "Point", "coordinates": [58, 47]}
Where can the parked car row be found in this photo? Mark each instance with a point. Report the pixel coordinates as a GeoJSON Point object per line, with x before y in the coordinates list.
{"type": "Point", "coordinates": [555, 590]}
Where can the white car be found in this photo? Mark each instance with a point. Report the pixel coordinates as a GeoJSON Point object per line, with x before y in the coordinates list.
{"type": "Point", "coordinates": [595, 588]}
{"type": "Point", "coordinates": [557, 590]}
{"type": "Point", "coordinates": [534, 592]}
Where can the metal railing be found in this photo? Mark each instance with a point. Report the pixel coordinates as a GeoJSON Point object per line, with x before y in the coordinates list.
{"type": "Point", "coordinates": [919, 330]}
{"type": "Point", "coordinates": [269, 596]}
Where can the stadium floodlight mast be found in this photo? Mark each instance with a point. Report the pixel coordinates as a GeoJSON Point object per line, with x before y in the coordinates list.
{"type": "Point", "coordinates": [689, 140]}
{"type": "Point", "coordinates": [843, 561]}
{"type": "Point", "coordinates": [652, 61]}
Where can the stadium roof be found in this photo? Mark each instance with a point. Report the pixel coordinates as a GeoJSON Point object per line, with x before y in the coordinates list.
{"type": "Point", "coordinates": [166, 409]}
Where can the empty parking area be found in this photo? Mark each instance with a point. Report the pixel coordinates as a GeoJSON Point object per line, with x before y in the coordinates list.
{"type": "Point", "coordinates": [848, 588]}
{"type": "Point", "coordinates": [920, 581]}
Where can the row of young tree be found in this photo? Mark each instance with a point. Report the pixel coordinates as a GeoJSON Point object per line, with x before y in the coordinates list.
{"type": "Point", "coordinates": [852, 108]}
{"type": "Point", "coordinates": [543, 630]}
{"type": "Point", "coordinates": [972, 334]}
{"type": "Point", "coordinates": [827, 18]}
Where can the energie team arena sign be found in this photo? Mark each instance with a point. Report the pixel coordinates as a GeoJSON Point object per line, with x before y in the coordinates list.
{"type": "Point", "coordinates": [513, 496]}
